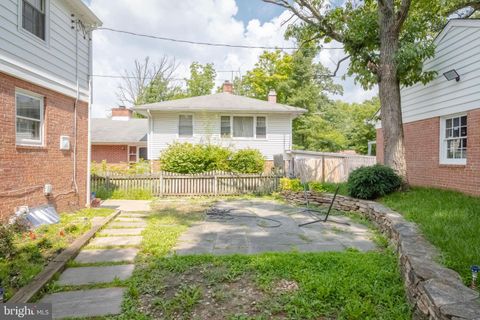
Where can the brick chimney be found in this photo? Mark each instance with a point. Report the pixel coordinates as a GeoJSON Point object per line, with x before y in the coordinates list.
{"type": "Point", "coordinates": [121, 113]}
{"type": "Point", "coordinates": [228, 86]}
{"type": "Point", "coordinates": [272, 96]}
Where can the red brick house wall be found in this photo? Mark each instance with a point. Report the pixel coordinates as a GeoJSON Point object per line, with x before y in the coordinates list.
{"type": "Point", "coordinates": [110, 153]}
{"type": "Point", "coordinates": [422, 141]}
{"type": "Point", "coordinates": [25, 170]}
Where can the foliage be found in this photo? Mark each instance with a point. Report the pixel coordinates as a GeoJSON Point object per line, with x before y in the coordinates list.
{"type": "Point", "coordinates": [373, 182]}
{"type": "Point", "coordinates": [287, 184]}
{"type": "Point", "coordinates": [131, 194]}
{"type": "Point", "coordinates": [331, 187]}
{"type": "Point", "coordinates": [103, 168]}
{"type": "Point", "coordinates": [247, 161]}
{"type": "Point", "coordinates": [202, 79]}
{"type": "Point", "coordinates": [448, 219]}
{"type": "Point", "coordinates": [7, 247]}
{"type": "Point", "coordinates": [217, 157]}
{"type": "Point", "coordinates": [316, 186]}
{"type": "Point", "coordinates": [31, 251]}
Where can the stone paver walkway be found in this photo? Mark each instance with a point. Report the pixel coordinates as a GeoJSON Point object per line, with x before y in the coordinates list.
{"type": "Point", "coordinates": [254, 235]}
{"type": "Point", "coordinates": [118, 242]}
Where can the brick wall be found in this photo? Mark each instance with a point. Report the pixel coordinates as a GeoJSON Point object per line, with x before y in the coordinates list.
{"type": "Point", "coordinates": [422, 140]}
{"type": "Point", "coordinates": [24, 170]}
{"type": "Point", "coordinates": [110, 153]}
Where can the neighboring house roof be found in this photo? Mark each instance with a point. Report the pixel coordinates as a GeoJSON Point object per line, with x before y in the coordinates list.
{"type": "Point", "coordinates": [116, 131]}
{"type": "Point", "coordinates": [84, 12]}
{"type": "Point", "coordinates": [469, 23]}
{"type": "Point", "coordinates": [220, 102]}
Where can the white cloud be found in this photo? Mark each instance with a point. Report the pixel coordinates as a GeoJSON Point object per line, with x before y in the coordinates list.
{"type": "Point", "coordinates": [200, 20]}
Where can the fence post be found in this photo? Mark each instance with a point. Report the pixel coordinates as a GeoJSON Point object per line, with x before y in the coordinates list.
{"type": "Point", "coordinates": [161, 184]}
{"type": "Point", "coordinates": [215, 184]}
{"type": "Point", "coordinates": [323, 168]}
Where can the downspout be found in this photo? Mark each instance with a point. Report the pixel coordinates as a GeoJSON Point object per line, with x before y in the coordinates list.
{"type": "Point", "coordinates": [75, 112]}
{"type": "Point", "coordinates": [90, 101]}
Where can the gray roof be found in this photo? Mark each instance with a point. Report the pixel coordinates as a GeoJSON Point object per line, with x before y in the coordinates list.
{"type": "Point", "coordinates": [118, 131]}
{"type": "Point", "coordinates": [220, 102]}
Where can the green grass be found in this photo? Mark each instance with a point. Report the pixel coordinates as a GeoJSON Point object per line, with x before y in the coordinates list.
{"type": "Point", "coordinates": [345, 285]}
{"type": "Point", "coordinates": [331, 187]}
{"type": "Point", "coordinates": [133, 194]}
{"type": "Point", "coordinates": [449, 220]}
{"type": "Point", "coordinates": [33, 252]}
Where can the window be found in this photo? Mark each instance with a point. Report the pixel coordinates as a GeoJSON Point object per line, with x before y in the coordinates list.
{"type": "Point", "coordinates": [243, 127]}
{"type": "Point", "coordinates": [142, 153]}
{"type": "Point", "coordinates": [225, 127]}
{"type": "Point", "coordinates": [261, 129]}
{"type": "Point", "coordinates": [29, 119]}
{"type": "Point", "coordinates": [185, 125]}
{"type": "Point", "coordinates": [33, 17]}
{"type": "Point", "coordinates": [132, 154]}
{"type": "Point", "coordinates": [454, 140]}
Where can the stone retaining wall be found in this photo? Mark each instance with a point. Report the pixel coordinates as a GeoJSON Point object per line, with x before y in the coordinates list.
{"type": "Point", "coordinates": [434, 291]}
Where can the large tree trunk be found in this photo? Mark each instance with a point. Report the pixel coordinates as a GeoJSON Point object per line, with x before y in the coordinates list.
{"type": "Point", "coordinates": [389, 92]}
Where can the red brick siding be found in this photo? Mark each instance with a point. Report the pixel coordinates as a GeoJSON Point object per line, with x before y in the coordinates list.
{"type": "Point", "coordinates": [422, 141]}
{"type": "Point", "coordinates": [27, 167]}
{"type": "Point", "coordinates": [110, 153]}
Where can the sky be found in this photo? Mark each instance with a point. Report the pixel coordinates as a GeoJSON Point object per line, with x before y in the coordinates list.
{"type": "Point", "coordinates": [247, 22]}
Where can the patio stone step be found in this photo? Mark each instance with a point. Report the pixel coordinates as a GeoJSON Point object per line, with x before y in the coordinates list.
{"type": "Point", "coordinates": [127, 224]}
{"type": "Point", "coordinates": [85, 303]}
{"type": "Point", "coordinates": [106, 255]}
{"type": "Point", "coordinates": [129, 219]}
{"type": "Point", "coordinates": [122, 232]}
{"type": "Point", "coordinates": [116, 241]}
{"type": "Point", "coordinates": [92, 275]}
{"type": "Point", "coordinates": [133, 215]}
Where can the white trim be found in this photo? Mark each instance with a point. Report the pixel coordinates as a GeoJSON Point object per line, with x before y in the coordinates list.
{"type": "Point", "coordinates": [178, 125]}
{"type": "Point", "coordinates": [254, 116]}
{"type": "Point", "coordinates": [27, 34]}
{"type": "Point", "coordinates": [442, 147]}
{"type": "Point", "coordinates": [40, 98]}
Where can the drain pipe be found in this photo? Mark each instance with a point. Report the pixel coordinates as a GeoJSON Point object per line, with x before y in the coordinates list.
{"type": "Point", "coordinates": [89, 135]}
{"type": "Point", "coordinates": [75, 112]}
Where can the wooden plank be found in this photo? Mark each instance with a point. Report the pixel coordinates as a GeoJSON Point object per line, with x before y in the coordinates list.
{"type": "Point", "coordinates": [57, 264]}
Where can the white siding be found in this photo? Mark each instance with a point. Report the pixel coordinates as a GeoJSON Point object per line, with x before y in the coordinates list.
{"type": "Point", "coordinates": [51, 63]}
{"type": "Point", "coordinates": [457, 48]}
{"type": "Point", "coordinates": [206, 129]}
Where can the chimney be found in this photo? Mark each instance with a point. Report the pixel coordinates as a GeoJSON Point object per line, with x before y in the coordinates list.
{"type": "Point", "coordinates": [272, 96]}
{"type": "Point", "coordinates": [121, 113]}
{"type": "Point", "coordinates": [227, 87]}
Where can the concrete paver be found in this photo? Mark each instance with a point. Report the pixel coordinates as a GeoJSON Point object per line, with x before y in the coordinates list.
{"type": "Point", "coordinates": [122, 232]}
{"type": "Point", "coordinates": [116, 241]}
{"type": "Point", "coordinates": [92, 275]}
{"type": "Point", "coordinates": [127, 224]}
{"type": "Point", "coordinates": [128, 205]}
{"type": "Point", "coordinates": [106, 255]}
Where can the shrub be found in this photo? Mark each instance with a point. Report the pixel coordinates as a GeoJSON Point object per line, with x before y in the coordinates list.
{"type": "Point", "coordinates": [373, 182]}
{"type": "Point", "coordinates": [316, 187]}
{"type": "Point", "coordinates": [185, 158]}
{"type": "Point", "coordinates": [287, 184]}
{"type": "Point", "coordinates": [7, 247]}
{"type": "Point", "coordinates": [247, 161]}
{"type": "Point", "coordinates": [217, 158]}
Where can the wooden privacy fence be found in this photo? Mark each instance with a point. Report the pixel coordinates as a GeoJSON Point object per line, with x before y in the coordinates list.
{"type": "Point", "coordinates": [202, 184]}
{"type": "Point", "coordinates": [326, 167]}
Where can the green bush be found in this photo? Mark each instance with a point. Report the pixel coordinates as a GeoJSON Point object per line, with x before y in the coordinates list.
{"type": "Point", "coordinates": [373, 182]}
{"type": "Point", "coordinates": [217, 158]}
{"type": "Point", "coordinates": [287, 184]}
{"type": "Point", "coordinates": [7, 247]}
{"type": "Point", "coordinates": [185, 158]}
{"type": "Point", "coordinates": [247, 161]}
{"type": "Point", "coordinates": [316, 187]}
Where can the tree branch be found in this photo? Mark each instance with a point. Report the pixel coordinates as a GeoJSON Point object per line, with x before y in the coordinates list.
{"type": "Point", "coordinates": [334, 74]}
{"type": "Point", "coordinates": [402, 14]}
{"type": "Point", "coordinates": [475, 5]}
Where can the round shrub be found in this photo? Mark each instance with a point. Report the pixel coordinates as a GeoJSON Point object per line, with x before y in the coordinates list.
{"type": "Point", "coordinates": [287, 184]}
{"type": "Point", "coordinates": [217, 158]}
{"type": "Point", "coordinates": [184, 158]}
{"type": "Point", "coordinates": [247, 161]}
{"type": "Point", "coordinates": [373, 182]}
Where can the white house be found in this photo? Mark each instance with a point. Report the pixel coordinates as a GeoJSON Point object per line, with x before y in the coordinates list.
{"type": "Point", "coordinates": [45, 68]}
{"type": "Point", "coordinates": [442, 118]}
{"type": "Point", "coordinates": [224, 119]}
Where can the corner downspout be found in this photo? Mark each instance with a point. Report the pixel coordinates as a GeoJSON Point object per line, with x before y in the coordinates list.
{"type": "Point", "coordinates": [90, 101]}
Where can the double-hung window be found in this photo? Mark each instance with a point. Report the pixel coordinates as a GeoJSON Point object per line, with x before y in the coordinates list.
{"type": "Point", "coordinates": [243, 127]}
{"type": "Point", "coordinates": [185, 125]}
{"type": "Point", "coordinates": [29, 119]}
{"type": "Point", "coordinates": [33, 17]}
{"type": "Point", "coordinates": [453, 147]}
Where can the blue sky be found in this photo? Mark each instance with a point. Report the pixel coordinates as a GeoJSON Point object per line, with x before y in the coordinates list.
{"type": "Point", "coordinates": [257, 9]}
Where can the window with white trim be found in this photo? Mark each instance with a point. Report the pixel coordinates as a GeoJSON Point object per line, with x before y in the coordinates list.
{"type": "Point", "coordinates": [454, 140]}
{"type": "Point", "coordinates": [243, 127]}
{"type": "Point", "coordinates": [261, 128]}
{"type": "Point", "coordinates": [29, 119]}
{"type": "Point", "coordinates": [185, 125]}
{"type": "Point", "coordinates": [33, 17]}
{"type": "Point", "coordinates": [225, 127]}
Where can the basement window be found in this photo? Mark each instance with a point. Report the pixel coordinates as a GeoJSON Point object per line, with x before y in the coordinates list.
{"type": "Point", "coordinates": [29, 118]}
{"type": "Point", "coordinates": [453, 131]}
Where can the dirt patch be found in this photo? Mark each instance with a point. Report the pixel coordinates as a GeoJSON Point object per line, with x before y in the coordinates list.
{"type": "Point", "coordinates": [286, 286]}
{"type": "Point", "coordinates": [207, 292]}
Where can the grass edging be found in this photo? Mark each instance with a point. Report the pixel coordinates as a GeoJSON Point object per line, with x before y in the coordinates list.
{"type": "Point", "coordinates": [58, 263]}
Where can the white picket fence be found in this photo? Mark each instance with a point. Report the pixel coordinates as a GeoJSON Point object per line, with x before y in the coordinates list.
{"type": "Point", "coordinates": [325, 166]}
{"type": "Point", "coordinates": [214, 183]}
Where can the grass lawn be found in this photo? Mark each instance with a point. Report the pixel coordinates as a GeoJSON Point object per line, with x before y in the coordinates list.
{"type": "Point", "coordinates": [329, 285]}
{"type": "Point", "coordinates": [449, 220]}
{"type": "Point", "coordinates": [32, 251]}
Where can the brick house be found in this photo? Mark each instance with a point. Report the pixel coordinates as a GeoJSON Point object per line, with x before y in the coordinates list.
{"type": "Point", "coordinates": [45, 63]}
{"type": "Point", "coordinates": [120, 139]}
{"type": "Point", "coordinates": [442, 118]}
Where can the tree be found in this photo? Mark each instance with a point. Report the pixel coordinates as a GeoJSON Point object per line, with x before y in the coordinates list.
{"type": "Point", "coordinates": [202, 79]}
{"type": "Point", "coordinates": [149, 82]}
{"type": "Point", "coordinates": [386, 41]}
